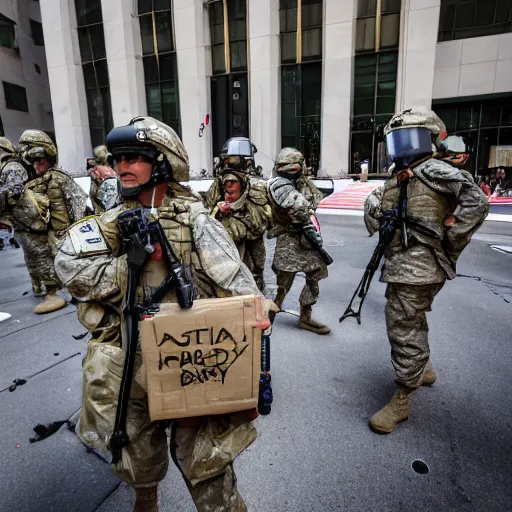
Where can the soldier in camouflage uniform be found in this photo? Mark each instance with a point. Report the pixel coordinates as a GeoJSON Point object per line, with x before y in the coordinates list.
{"type": "Point", "coordinates": [27, 212]}
{"type": "Point", "coordinates": [151, 161]}
{"type": "Point", "coordinates": [104, 190]}
{"type": "Point", "coordinates": [55, 202]}
{"type": "Point", "coordinates": [294, 199]}
{"type": "Point", "coordinates": [444, 208]}
{"type": "Point", "coordinates": [12, 178]}
{"type": "Point", "coordinates": [240, 203]}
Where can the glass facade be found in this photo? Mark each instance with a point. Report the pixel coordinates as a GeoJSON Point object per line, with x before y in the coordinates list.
{"type": "Point", "coordinates": [483, 123]}
{"type": "Point", "coordinates": [159, 59]}
{"type": "Point", "coordinates": [301, 76]}
{"type": "Point", "coordinates": [374, 85]}
{"type": "Point", "coordinates": [94, 64]}
{"type": "Point", "coordinates": [460, 19]}
{"type": "Point", "coordinates": [229, 83]}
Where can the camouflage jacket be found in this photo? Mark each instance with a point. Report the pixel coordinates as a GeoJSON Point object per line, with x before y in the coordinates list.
{"type": "Point", "coordinates": [436, 191]}
{"type": "Point", "coordinates": [13, 177]}
{"type": "Point", "coordinates": [98, 281]}
{"type": "Point", "coordinates": [67, 201]}
{"type": "Point", "coordinates": [104, 195]}
{"type": "Point", "coordinates": [291, 211]}
{"type": "Point", "coordinates": [250, 216]}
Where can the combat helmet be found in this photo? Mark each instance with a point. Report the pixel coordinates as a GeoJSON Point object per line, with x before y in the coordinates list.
{"type": "Point", "coordinates": [37, 139]}
{"type": "Point", "coordinates": [157, 142]}
{"type": "Point", "coordinates": [7, 150]}
{"type": "Point", "coordinates": [411, 133]}
{"type": "Point", "coordinates": [453, 150]}
{"type": "Point", "coordinates": [237, 153]}
{"type": "Point", "coordinates": [289, 163]}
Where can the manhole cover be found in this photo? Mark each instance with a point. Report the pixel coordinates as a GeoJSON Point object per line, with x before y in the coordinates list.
{"type": "Point", "coordinates": [507, 249]}
{"type": "Point", "coordinates": [420, 467]}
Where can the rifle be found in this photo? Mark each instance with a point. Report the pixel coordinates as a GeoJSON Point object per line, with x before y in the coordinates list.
{"type": "Point", "coordinates": [314, 239]}
{"type": "Point", "coordinates": [390, 222]}
{"type": "Point", "coordinates": [140, 231]}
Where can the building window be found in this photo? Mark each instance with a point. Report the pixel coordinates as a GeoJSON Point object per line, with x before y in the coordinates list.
{"type": "Point", "coordinates": [301, 76]}
{"type": "Point", "coordinates": [374, 85]}
{"type": "Point", "coordinates": [460, 19]}
{"type": "Point", "coordinates": [228, 22]}
{"type": "Point", "coordinates": [37, 33]}
{"type": "Point", "coordinates": [8, 37]}
{"type": "Point", "coordinates": [15, 97]}
{"type": "Point", "coordinates": [159, 59]}
{"type": "Point", "coordinates": [94, 65]}
{"type": "Point", "coordinates": [229, 85]}
{"type": "Point", "coordinates": [483, 124]}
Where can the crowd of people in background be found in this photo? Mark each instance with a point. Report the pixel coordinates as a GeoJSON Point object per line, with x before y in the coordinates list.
{"type": "Point", "coordinates": [496, 183]}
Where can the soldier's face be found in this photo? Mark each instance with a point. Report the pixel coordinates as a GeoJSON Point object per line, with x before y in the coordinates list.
{"type": "Point", "coordinates": [233, 188]}
{"type": "Point", "coordinates": [41, 166]}
{"type": "Point", "coordinates": [133, 172]}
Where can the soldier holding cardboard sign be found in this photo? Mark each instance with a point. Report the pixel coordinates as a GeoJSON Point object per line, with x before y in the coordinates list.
{"type": "Point", "coordinates": [93, 263]}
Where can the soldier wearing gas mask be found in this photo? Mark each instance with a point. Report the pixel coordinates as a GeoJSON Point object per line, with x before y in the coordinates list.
{"type": "Point", "coordinates": [240, 202]}
{"type": "Point", "coordinates": [104, 191]}
{"type": "Point", "coordinates": [427, 211]}
{"type": "Point", "coordinates": [150, 162]}
{"type": "Point", "coordinates": [294, 198]}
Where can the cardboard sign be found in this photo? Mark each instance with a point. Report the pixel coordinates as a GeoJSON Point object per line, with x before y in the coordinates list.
{"type": "Point", "coordinates": [204, 360]}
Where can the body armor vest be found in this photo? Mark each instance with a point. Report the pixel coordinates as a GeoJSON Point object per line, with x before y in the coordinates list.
{"type": "Point", "coordinates": [424, 205]}
{"type": "Point", "coordinates": [175, 220]}
{"type": "Point", "coordinates": [50, 184]}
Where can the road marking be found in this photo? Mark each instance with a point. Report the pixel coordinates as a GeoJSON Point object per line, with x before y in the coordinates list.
{"type": "Point", "coordinates": [507, 249]}
{"type": "Point", "coordinates": [4, 316]}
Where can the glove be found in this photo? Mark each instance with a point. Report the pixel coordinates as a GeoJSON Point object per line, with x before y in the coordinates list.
{"type": "Point", "coordinates": [312, 236]}
{"type": "Point", "coordinates": [135, 236]}
{"type": "Point", "coordinates": [387, 229]}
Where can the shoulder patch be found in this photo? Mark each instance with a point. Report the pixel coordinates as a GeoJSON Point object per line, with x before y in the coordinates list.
{"type": "Point", "coordinates": [87, 238]}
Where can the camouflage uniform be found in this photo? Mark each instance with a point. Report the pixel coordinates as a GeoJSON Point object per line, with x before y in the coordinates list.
{"type": "Point", "coordinates": [293, 203]}
{"type": "Point", "coordinates": [246, 220]}
{"type": "Point", "coordinates": [67, 201]}
{"type": "Point", "coordinates": [104, 194]}
{"type": "Point", "coordinates": [435, 191]}
{"type": "Point", "coordinates": [98, 282]}
{"type": "Point", "coordinates": [27, 212]}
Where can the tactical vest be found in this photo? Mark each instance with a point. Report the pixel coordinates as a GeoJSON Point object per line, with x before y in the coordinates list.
{"type": "Point", "coordinates": [50, 184]}
{"type": "Point", "coordinates": [424, 205]}
{"type": "Point", "coordinates": [174, 217]}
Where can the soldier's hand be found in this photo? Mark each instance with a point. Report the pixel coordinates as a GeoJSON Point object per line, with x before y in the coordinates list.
{"type": "Point", "coordinates": [450, 220]}
{"type": "Point", "coordinates": [313, 236]}
{"type": "Point", "coordinates": [223, 206]}
{"type": "Point", "coordinates": [102, 172]}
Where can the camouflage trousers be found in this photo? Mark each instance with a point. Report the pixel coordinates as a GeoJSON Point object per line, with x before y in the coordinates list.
{"type": "Point", "coordinates": [203, 448]}
{"type": "Point", "coordinates": [310, 292]}
{"type": "Point", "coordinates": [39, 259]}
{"type": "Point", "coordinates": [406, 321]}
{"type": "Point", "coordinates": [254, 257]}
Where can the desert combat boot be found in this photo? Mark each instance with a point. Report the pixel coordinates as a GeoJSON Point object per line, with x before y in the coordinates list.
{"type": "Point", "coordinates": [308, 324]}
{"type": "Point", "coordinates": [397, 410]}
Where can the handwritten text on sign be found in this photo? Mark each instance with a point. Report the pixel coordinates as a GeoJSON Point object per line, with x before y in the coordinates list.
{"type": "Point", "coordinates": [210, 362]}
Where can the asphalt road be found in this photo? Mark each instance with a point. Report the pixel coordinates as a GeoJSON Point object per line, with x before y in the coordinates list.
{"type": "Point", "coordinates": [315, 452]}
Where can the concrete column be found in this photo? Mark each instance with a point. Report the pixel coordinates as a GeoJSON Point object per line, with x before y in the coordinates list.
{"type": "Point", "coordinates": [338, 49]}
{"type": "Point", "coordinates": [264, 52]}
{"type": "Point", "coordinates": [194, 69]}
{"type": "Point", "coordinates": [417, 54]}
{"type": "Point", "coordinates": [67, 86]}
{"type": "Point", "coordinates": [124, 57]}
